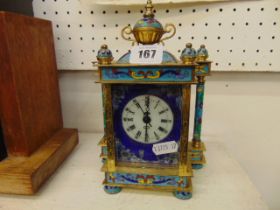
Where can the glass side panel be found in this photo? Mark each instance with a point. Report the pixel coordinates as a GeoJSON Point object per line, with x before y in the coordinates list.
{"type": "Point", "coordinates": [144, 117]}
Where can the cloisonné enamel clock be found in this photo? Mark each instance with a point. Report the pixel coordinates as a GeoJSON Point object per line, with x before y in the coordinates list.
{"type": "Point", "coordinates": [146, 104]}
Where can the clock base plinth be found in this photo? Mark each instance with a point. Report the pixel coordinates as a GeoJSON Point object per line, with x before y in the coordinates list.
{"type": "Point", "coordinates": [152, 187]}
{"type": "Point", "coordinates": [141, 176]}
{"type": "Point", "coordinates": [197, 166]}
{"type": "Point", "coordinates": [180, 186]}
{"type": "Point", "coordinates": [197, 155]}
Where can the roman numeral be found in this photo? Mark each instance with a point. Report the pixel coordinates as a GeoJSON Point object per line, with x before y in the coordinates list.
{"type": "Point", "coordinates": [130, 128]}
{"type": "Point", "coordinates": [165, 121]}
{"type": "Point", "coordinates": [128, 110]}
{"type": "Point", "coordinates": [157, 104]}
{"type": "Point", "coordinates": [162, 129]}
{"type": "Point", "coordinates": [156, 135]}
{"type": "Point", "coordinates": [165, 110]}
{"type": "Point", "coordinates": [138, 134]}
{"type": "Point", "coordinates": [128, 119]}
{"type": "Point", "coordinates": [136, 104]}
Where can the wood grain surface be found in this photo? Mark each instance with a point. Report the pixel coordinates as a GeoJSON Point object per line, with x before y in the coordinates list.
{"type": "Point", "coordinates": [30, 104]}
{"type": "Point", "coordinates": [30, 108]}
{"type": "Point", "coordinates": [25, 175]}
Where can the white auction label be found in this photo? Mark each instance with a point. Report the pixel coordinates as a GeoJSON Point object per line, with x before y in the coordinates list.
{"type": "Point", "coordinates": [146, 54]}
{"type": "Point", "coordinates": [165, 148]}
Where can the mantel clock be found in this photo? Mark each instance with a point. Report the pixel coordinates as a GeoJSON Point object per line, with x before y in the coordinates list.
{"type": "Point", "coordinates": [146, 113]}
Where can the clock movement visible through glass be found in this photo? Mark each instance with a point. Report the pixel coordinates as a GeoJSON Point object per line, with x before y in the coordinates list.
{"type": "Point", "coordinates": [147, 119]}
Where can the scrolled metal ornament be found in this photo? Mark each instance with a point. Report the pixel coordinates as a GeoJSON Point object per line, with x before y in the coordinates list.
{"type": "Point", "coordinates": [126, 32]}
{"type": "Point", "coordinates": [168, 28]}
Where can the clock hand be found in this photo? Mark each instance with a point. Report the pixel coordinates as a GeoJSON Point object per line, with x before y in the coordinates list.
{"type": "Point", "coordinates": [147, 103]}
{"type": "Point", "coordinates": [146, 118]}
{"type": "Point", "coordinates": [138, 105]}
{"type": "Point", "coordinates": [141, 109]}
{"type": "Point", "coordinates": [146, 133]}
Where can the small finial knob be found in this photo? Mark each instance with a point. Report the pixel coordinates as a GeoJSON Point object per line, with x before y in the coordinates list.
{"type": "Point", "coordinates": [189, 45]}
{"type": "Point", "coordinates": [188, 55]}
{"type": "Point", "coordinates": [202, 53]}
{"type": "Point", "coordinates": [104, 55]}
{"type": "Point", "coordinates": [149, 13]}
{"type": "Point", "coordinates": [104, 46]}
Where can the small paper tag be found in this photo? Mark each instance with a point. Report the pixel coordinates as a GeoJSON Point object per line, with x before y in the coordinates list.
{"type": "Point", "coordinates": [146, 54]}
{"type": "Point", "coordinates": [165, 148]}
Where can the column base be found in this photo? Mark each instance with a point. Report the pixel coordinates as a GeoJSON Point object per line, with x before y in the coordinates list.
{"type": "Point", "coordinates": [196, 150]}
{"type": "Point", "coordinates": [197, 166]}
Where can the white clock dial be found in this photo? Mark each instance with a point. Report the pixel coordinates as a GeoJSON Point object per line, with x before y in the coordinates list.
{"type": "Point", "coordinates": [147, 119]}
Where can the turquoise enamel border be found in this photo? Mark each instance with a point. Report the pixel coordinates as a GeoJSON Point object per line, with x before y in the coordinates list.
{"type": "Point", "coordinates": [146, 179]}
{"type": "Point", "coordinates": [148, 74]}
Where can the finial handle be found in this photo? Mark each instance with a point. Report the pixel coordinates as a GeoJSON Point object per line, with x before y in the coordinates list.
{"type": "Point", "coordinates": [169, 28]}
{"type": "Point", "coordinates": [126, 31]}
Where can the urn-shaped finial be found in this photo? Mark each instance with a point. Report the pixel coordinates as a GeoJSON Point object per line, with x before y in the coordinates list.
{"type": "Point", "coordinates": [149, 13]}
{"type": "Point", "coordinates": [202, 53]}
{"type": "Point", "coordinates": [104, 55]}
{"type": "Point", "coordinates": [148, 30]}
{"type": "Point", "coordinates": [188, 55]}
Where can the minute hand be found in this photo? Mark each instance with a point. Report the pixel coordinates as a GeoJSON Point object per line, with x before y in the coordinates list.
{"type": "Point", "coordinates": [147, 113]}
{"type": "Point", "coordinates": [147, 103]}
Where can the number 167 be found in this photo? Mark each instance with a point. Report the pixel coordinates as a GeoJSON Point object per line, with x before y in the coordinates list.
{"type": "Point", "coordinates": [147, 53]}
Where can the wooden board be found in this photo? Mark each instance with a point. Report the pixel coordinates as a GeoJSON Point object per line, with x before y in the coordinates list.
{"type": "Point", "coordinates": [30, 108]}
{"type": "Point", "coordinates": [24, 175]}
{"type": "Point", "coordinates": [29, 92]}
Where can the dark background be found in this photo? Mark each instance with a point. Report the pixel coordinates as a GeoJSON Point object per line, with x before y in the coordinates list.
{"type": "Point", "coordinates": [17, 6]}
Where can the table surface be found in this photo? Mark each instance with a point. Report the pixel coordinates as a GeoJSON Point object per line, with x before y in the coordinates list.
{"type": "Point", "coordinates": [220, 185]}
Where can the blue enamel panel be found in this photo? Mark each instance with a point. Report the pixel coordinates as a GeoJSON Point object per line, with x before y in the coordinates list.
{"type": "Point", "coordinates": [129, 150]}
{"type": "Point", "coordinates": [148, 74]}
{"type": "Point", "coordinates": [196, 158]}
{"type": "Point", "coordinates": [146, 179]}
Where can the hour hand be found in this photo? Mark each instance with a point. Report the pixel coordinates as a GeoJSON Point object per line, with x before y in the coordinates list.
{"type": "Point", "coordinates": [138, 105]}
